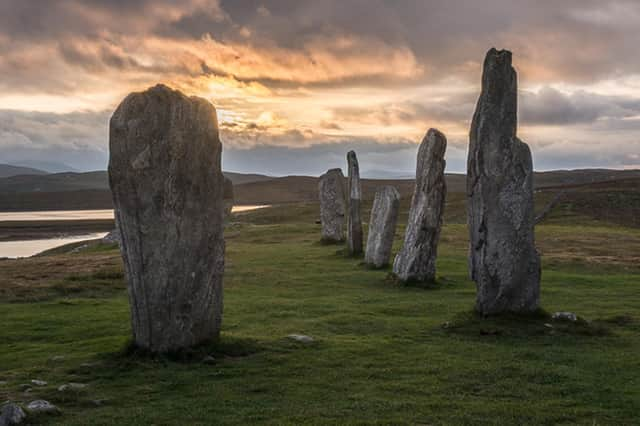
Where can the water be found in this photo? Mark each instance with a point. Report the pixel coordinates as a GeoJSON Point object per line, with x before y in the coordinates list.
{"type": "Point", "coordinates": [28, 248]}
{"type": "Point", "coordinates": [83, 214]}
{"type": "Point", "coordinates": [14, 249]}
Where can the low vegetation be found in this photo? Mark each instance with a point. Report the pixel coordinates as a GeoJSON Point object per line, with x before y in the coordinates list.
{"type": "Point", "coordinates": [382, 353]}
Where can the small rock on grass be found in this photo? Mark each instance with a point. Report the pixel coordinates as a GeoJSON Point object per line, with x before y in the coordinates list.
{"type": "Point", "coordinates": [208, 360]}
{"type": "Point", "coordinates": [39, 382]}
{"type": "Point", "coordinates": [11, 414]}
{"type": "Point", "coordinates": [565, 316]}
{"type": "Point", "coordinates": [41, 406]}
{"type": "Point", "coordinates": [300, 338]}
{"type": "Point", "coordinates": [71, 386]}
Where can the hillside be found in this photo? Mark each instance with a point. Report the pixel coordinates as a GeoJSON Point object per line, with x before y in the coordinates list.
{"type": "Point", "coordinates": [72, 181]}
{"type": "Point", "coordinates": [382, 353]}
{"type": "Point", "coordinates": [7, 170]}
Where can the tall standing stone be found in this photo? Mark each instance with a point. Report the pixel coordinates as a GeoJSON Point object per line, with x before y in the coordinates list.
{"type": "Point", "coordinates": [167, 185]}
{"type": "Point", "coordinates": [382, 226]}
{"type": "Point", "coordinates": [503, 260]}
{"type": "Point", "coordinates": [228, 197]}
{"type": "Point", "coordinates": [416, 261]}
{"type": "Point", "coordinates": [332, 205]}
{"type": "Point", "coordinates": [354, 221]}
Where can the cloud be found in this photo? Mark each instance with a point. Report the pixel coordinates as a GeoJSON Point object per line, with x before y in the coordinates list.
{"type": "Point", "coordinates": [288, 76]}
{"type": "Point", "coordinates": [552, 107]}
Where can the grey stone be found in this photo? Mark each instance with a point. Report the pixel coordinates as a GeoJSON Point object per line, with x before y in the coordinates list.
{"type": "Point", "coordinates": [354, 192]}
{"type": "Point", "coordinates": [503, 260]}
{"type": "Point", "coordinates": [209, 360]}
{"type": "Point", "coordinates": [382, 226]}
{"type": "Point", "coordinates": [41, 406]}
{"type": "Point", "coordinates": [11, 414]}
{"type": "Point", "coordinates": [300, 338]}
{"type": "Point", "coordinates": [416, 261]}
{"type": "Point", "coordinates": [167, 186]}
{"type": "Point", "coordinates": [39, 382]}
{"type": "Point", "coordinates": [564, 316]}
{"type": "Point", "coordinates": [332, 205]}
{"type": "Point", "coordinates": [71, 386]}
{"type": "Point", "coordinates": [228, 196]}
{"type": "Point", "coordinates": [57, 358]}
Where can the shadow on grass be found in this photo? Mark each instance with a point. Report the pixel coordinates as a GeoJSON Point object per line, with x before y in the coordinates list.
{"type": "Point", "coordinates": [224, 348]}
{"type": "Point", "coordinates": [437, 284]}
{"type": "Point", "coordinates": [538, 323]}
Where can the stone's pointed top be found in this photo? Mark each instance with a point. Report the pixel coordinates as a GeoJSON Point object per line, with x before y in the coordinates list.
{"type": "Point", "coordinates": [351, 154]}
{"type": "Point", "coordinates": [499, 55]}
{"type": "Point", "coordinates": [436, 142]}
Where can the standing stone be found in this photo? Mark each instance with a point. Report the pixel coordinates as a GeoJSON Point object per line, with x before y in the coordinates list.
{"type": "Point", "coordinates": [228, 197]}
{"type": "Point", "coordinates": [382, 226]}
{"type": "Point", "coordinates": [332, 206]}
{"type": "Point", "coordinates": [416, 261]}
{"type": "Point", "coordinates": [354, 221]}
{"type": "Point", "coordinates": [167, 185]}
{"type": "Point", "coordinates": [503, 260]}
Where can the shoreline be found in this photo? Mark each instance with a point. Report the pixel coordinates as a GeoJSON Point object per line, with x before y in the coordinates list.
{"type": "Point", "coordinates": [48, 229]}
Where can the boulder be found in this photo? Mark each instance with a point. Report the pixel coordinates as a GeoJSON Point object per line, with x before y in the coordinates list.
{"type": "Point", "coordinates": [354, 220]}
{"type": "Point", "coordinates": [11, 414]}
{"type": "Point", "coordinates": [503, 260]}
{"type": "Point", "coordinates": [41, 406]}
{"type": "Point", "coordinates": [300, 338]}
{"type": "Point", "coordinates": [332, 205]}
{"type": "Point", "coordinates": [382, 226]}
{"type": "Point", "coordinates": [167, 186]}
{"type": "Point", "coordinates": [416, 261]}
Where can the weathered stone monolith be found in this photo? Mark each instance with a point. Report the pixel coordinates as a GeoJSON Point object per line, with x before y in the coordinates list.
{"type": "Point", "coordinates": [332, 206]}
{"type": "Point", "coordinates": [382, 227]}
{"type": "Point", "coordinates": [503, 260]}
{"type": "Point", "coordinates": [167, 185]}
{"type": "Point", "coordinates": [228, 197]}
{"type": "Point", "coordinates": [354, 192]}
{"type": "Point", "coordinates": [416, 261]}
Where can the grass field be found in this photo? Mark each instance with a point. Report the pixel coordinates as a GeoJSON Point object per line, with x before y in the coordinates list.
{"type": "Point", "coordinates": [383, 354]}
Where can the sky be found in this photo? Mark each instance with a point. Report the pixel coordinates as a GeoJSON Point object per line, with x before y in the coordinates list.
{"type": "Point", "coordinates": [296, 84]}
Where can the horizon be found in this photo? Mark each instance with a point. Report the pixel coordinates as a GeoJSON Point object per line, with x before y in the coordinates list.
{"type": "Point", "coordinates": [297, 85]}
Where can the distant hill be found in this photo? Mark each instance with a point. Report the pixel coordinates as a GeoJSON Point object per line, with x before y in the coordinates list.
{"type": "Point", "coordinates": [240, 178]}
{"type": "Point", "coordinates": [91, 190]}
{"type": "Point", "coordinates": [72, 181]}
{"type": "Point", "coordinates": [581, 176]}
{"type": "Point", "coordinates": [48, 166]}
{"type": "Point", "coordinates": [55, 182]}
{"type": "Point", "coordinates": [8, 170]}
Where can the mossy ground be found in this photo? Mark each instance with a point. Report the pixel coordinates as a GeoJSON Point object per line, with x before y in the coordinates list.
{"type": "Point", "coordinates": [383, 353]}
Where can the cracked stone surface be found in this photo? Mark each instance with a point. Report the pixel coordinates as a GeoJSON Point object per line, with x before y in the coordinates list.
{"type": "Point", "coordinates": [332, 205]}
{"type": "Point", "coordinates": [354, 220]}
{"type": "Point", "coordinates": [382, 226]}
{"type": "Point", "coordinates": [167, 186]}
{"type": "Point", "coordinates": [416, 261]}
{"type": "Point", "coordinates": [503, 260]}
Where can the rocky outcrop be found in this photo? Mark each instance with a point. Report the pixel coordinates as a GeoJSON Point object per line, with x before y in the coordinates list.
{"type": "Point", "coordinates": [354, 192]}
{"type": "Point", "coordinates": [167, 186]}
{"type": "Point", "coordinates": [416, 261]}
{"type": "Point", "coordinates": [382, 227]}
{"type": "Point", "coordinates": [332, 206]}
{"type": "Point", "coordinates": [503, 260]}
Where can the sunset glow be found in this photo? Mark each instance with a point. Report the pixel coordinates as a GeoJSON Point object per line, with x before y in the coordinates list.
{"type": "Point", "coordinates": [309, 80]}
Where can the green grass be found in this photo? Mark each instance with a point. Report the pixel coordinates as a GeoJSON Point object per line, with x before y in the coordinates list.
{"type": "Point", "coordinates": [383, 353]}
